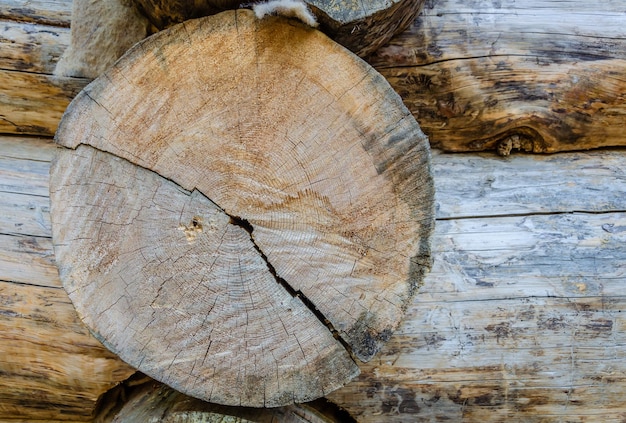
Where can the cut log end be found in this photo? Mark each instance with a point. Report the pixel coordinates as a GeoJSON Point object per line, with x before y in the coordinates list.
{"type": "Point", "coordinates": [242, 229]}
{"type": "Point", "coordinates": [362, 26]}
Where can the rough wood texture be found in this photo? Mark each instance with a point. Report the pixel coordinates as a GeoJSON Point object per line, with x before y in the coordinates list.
{"type": "Point", "coordinates": [52, 368]}
{"type": "Point", "coordinates": [288, 188]}
{"type": "Point", "coordinates": [45, 12]}
{"type": "Point", "coordinates": [540, 76]}
{"type": "Point", "coordinates": [141, 399]}
{"type": "Point", "coordinates": [361, 26]}
{"type": "Point", "coordinates": [32, 103]}
{"type": "Point", "coordinates": [32, 100]}
{"type": "Point", "coordinates": [521, 318]}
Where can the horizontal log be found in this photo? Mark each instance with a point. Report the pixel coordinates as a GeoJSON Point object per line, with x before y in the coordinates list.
{"type": "Point", "coordinates": [521, 317]}
{"type": "Point", "coordinates": [46, 12]}
{"type": "Point", "coordinates": [476, 78]}
{"type": "Point", "coordinates": [32, 100]}
{"type": "Point", "coordinates": [30, 47]}
{"type": "Point", "coordinates": [530, 359]}
{"type": "Point", "coordinates": [33, 103]}
{"type": "Point", "coordinates": [541, 76]}
{"type": "Point", "coordinates": [494, 186]}
{"type": "Point", "coordinates": [52, 368]}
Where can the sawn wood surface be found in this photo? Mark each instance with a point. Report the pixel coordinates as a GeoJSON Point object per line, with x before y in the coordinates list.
{"type": "Point", "coordinates": [521, 318]}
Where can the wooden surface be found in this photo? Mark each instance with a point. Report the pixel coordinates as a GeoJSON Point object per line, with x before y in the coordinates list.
{"type": "Point", "coordinates": [362, 26]}
{"type": "Point", "coordinates": [141, 399]}
{"type": "Point", "coordinates": [45, 12]}
{"type": "Point", "coordinates": [496, 296]}
{"type": "Point", "coordinates": [32, 38]}
{"type": "Point", "coordinates": [540, 76]}
{"type": "Point", "coordinates": [522, 317]}
{"type": "Point", "coordinates": [284, 194]}
{"type": "Point", "coordinates": [52, 368]}
{"type": "Point", "coordinates": [494, 75]}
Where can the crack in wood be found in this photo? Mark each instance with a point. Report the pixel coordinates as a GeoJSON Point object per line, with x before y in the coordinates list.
{"type": "Point", "coordinates": [245, 225]}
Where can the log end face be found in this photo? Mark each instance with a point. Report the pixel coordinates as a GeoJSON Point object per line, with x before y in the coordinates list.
{"type": "Point", "coordinates": [333, 180]}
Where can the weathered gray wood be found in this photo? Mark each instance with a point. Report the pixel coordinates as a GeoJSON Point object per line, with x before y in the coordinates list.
{"type": "Point", "coordinates": [545, 342]}
{"type": "Point", "coordinates": [527, 359]}
{"type": "Point", "coordinates": [558, 255]}
{"type": "Point", "coordinates": [521, 316]}
{"type": "Point", "coordinates": [52, 368]}
{"type": "Point", "coordinates": [495, 186]}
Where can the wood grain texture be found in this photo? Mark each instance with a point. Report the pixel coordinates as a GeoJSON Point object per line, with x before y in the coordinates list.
{"type": "Point", "coordinates": [52, 368]}
{"type": "Point", "coordinates": [144, 400]}
{"type": "Point", "coordinates": [521, 317]}
{"type": "Point", "coordinates": [542, 76]}
{"type": "Point", "coordinates": [361, 26]}
{"type": "Point", "coordinates": [45, 12]}
{"type": "Point", "coordinates": [318, 160]}
{"type": "Point", "coordinates": [30, 47]}
{"type": "Point", "coordinates": [32, 39]}
{"type": "Point", "coordinates": [33, 103]}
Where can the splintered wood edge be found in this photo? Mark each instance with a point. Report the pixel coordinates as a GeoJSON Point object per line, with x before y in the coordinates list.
{"type": "Point", "coordinates": [331, 96]}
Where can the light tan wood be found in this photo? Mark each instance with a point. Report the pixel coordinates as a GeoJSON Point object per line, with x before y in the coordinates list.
{"type": "Point", "coordinates": [45, 12]}
{"type": "Point", "coordinates": [29, 47]}
{"type": "Point", "coordinates": [33, 103]}
{"type": "Point", "coordinates": [517, 310]}
{"type": "Point", "coordinates": [540, 76]}
{"type": "Point", "coordinates": [303, 198]}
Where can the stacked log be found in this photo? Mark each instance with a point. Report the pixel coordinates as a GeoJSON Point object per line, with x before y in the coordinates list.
{"type": "Point", "coordinates": [521, 317]}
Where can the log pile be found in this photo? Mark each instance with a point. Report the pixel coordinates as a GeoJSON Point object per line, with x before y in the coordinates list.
{"type": "Point", "coordinates": [521, 317]}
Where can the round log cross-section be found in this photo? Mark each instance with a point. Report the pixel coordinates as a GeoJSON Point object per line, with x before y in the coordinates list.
{"type": "Point", "coordinates": [242, 209]}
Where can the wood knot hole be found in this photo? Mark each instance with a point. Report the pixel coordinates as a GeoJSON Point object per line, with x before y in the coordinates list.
{"type": "Point", "coordinates": [192, 230]}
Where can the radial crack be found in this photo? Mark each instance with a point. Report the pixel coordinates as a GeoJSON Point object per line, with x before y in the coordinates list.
{"type": "Point", "coordinates": [245, 225]}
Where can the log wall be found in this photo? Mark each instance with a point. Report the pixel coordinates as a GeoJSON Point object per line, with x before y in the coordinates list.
{"type": "Point", "coordinates": [522, 318]}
